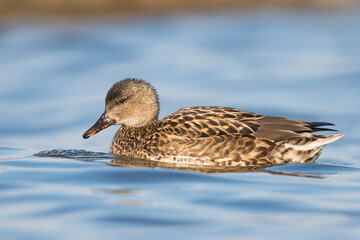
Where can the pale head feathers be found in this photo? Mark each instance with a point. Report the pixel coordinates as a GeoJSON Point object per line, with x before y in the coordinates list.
{"type": "Point", "coordinates": [132, 102]}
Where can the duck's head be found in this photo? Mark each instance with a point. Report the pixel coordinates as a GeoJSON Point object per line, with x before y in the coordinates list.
{"type": "Point", "coordinates": [130, 102]}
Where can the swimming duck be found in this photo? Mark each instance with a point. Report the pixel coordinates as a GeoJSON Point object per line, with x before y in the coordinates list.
{"type": "Point", "coordinates": [215, 136]}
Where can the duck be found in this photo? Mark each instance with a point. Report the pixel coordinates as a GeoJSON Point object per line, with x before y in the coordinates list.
{"type": "Point", "coordinates": [204, 135]}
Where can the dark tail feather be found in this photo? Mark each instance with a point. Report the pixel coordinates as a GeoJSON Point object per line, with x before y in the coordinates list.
{"type": "Point", "coordinates": [317, 126]}
{"type": "Point", "coordinates": [323, 129]}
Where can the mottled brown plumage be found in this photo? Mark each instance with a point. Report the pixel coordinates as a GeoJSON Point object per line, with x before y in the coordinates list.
{"type": "Point", "coordinates": [216, 136]}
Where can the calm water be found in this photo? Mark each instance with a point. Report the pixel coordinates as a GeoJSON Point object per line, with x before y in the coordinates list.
{"type": "Point", "coordinates": [53, 80]}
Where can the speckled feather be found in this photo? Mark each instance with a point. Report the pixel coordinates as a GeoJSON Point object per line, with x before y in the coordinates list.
{"type": "Point", "coordinates": [222, 136]}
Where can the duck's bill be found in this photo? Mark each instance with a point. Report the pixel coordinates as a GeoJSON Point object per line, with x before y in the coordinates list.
{"type": "Point", "coordinates": [103, 122]}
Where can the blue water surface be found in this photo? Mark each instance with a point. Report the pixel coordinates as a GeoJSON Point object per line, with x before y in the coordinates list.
{"type": "Point", "coordinates": [54, 77]}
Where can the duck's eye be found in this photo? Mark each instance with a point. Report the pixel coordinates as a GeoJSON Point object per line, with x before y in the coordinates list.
{"type": "Point", "coordinates": [121, 100]}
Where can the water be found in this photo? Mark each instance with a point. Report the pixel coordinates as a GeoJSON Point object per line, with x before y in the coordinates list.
{"type": "Point", "coordinates": [54, 77]}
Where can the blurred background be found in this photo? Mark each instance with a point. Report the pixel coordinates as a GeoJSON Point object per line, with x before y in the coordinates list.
{"type": "Point", "coordinates": [58, 58]}
{"type": "Point", "coordinates": [116, 7]}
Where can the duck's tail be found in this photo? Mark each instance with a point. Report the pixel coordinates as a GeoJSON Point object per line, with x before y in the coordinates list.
{"type": "Point", "coordinates": [315, 142]}
{"type": "Point", "coordinates": [305, 149]}
{"type": "Point", "coordinates": [328, 139]}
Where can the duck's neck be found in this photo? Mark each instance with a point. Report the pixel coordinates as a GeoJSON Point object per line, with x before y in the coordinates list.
{"type": "Point", "coordinates": [141, 121]}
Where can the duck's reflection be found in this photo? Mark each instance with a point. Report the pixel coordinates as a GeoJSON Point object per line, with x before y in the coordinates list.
{"type": "Point", "coordinates": [130, 162]}
{"type": "Point", "coordinates": [111, 160]}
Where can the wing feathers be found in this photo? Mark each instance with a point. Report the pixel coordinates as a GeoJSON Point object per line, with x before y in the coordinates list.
{"type": "Point", "coordinates": [198, 122]}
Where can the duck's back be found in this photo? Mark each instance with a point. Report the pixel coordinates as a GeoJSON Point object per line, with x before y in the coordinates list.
{"type": "Point", "coordinates": [223, 136]}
